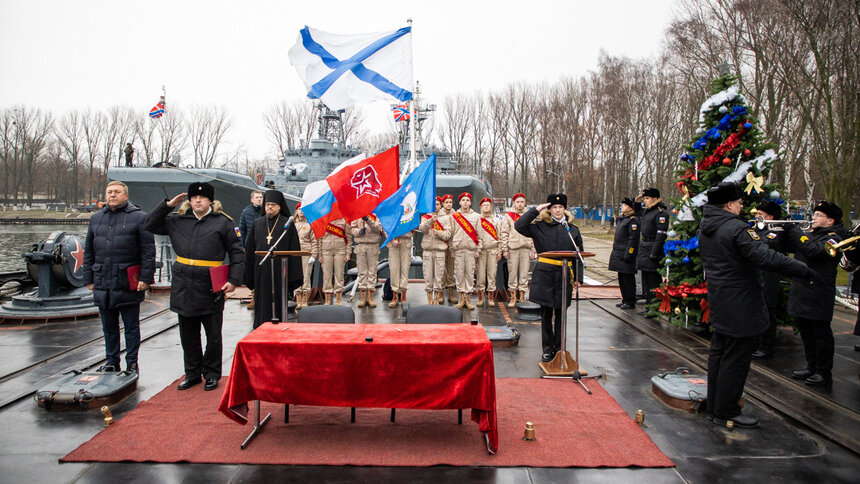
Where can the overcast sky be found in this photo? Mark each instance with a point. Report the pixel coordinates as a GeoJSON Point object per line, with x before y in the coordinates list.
{"type": "Point", "coordinates": [62, 54]}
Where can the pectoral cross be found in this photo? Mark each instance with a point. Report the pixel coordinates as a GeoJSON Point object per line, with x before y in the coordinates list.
{"type": "Point", "coordinates": [268, 239]}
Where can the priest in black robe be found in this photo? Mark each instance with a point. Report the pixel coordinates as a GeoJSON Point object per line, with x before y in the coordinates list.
{"type": "Point", "coordinates": [265, 232]}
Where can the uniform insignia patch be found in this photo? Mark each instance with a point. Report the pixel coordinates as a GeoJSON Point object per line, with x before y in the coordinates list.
{"type": "Point", "coordinates": [634, 227]}
{"type": "Point", "coordinates": [753, 234]}
{"type": "Point", "coordinates": [803, 239]}
{"type": "Point", "coordinates": [631, 250]}
{"type": "Point", "coordinates": [771, 235]}
{"type": "Point", "coordinates": [661, 220]}
{"type": "Point", "coordinates": [237, 231]}
{"type": "Point", "coordinates": [831, 241]}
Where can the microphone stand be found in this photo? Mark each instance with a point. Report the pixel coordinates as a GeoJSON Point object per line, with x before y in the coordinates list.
{"type": "Point", "coordinates": [275, 320]}
{"type": "Point", "coordinates": [577, 376]}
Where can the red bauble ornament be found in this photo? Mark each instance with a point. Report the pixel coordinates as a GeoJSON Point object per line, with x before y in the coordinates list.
{"type": "Point", "coordinates": [727, 161]}
{"type": "Point", "coordinates": [747, 152]}
{"type": "Point", "coordinates": [675, 212]}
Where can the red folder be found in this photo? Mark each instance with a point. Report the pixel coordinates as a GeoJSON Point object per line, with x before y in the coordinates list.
{"type": "Point", "coordinates": [219, 276]}
{"type": "Point", "coordinates": [133, 276]}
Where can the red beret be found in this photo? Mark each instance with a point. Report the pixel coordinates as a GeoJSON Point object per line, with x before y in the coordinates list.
{"type": "Point", "coordinates": [517, 195]}
{"type": "Point", "coordinates": [485, 199]}
{"type": "Point", "coordinates": [439, 199]}
{"type": "Point", "coordinates": [298, 205]}
{"type": "Point", "coordinates": [465, 195]}
{"type": "Point", "coordinates": [447, 196]}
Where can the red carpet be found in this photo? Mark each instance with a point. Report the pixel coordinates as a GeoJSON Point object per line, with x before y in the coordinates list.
{"type": "Point", "coordinates": [573, 429]}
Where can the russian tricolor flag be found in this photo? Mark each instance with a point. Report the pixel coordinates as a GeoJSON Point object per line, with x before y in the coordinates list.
{"type": "Point", "coordinates": [319, 206]}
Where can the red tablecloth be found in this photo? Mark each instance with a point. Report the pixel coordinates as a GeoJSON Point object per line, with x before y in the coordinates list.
{"type": "Point", "coordinates": [426, 366]}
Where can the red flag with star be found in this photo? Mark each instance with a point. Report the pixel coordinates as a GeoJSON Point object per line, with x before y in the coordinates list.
{"type": "Point", "coordinates": [359, 186]}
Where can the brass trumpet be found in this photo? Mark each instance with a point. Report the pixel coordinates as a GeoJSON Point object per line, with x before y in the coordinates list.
{"type": "Point", "coordinates": [847, 244]}
{"type": "Point", "coordinates": [761, 223]}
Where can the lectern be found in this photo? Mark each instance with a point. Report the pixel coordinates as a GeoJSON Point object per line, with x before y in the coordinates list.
{"type": "Point", "coordinates": [562, 365]}
{"type": "Point", "coordinates": [282, 254]}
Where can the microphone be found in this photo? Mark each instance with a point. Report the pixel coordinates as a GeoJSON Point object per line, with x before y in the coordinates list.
{"type": "Point", "coordinates": [564, 222]}
{"type": "Point", "coordinates": [289, 222]}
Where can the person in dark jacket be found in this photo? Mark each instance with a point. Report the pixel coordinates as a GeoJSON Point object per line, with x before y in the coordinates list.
{"type": "Point", "coordinates": [732, 258]}
{"type": "Point", "coordinates": [266, 231]}
{"type": "Point", "coordinates": [201, 236]}
{"type": "Point", "coordinates": [810, 301]}
{"type": "Point", "coordinates": [249, 214]}
{"type": "Point", "coordinates": [623, 257]}
{"type": "Point", "coordinates": [849, 262]}
{"type": "Point", "coordinates": [118, 250]}
{"type": "Point", "coordinates": [654, 222]}
{"type": "Point", "coordinates": [551, 227]}
{"type": "Point", "coordinates": [773, 237]}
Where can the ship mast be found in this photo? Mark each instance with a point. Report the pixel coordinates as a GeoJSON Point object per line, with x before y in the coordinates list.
{"type": "Point", "coordinates": [413, 109]}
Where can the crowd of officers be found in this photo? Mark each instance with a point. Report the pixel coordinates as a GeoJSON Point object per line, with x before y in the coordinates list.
{"type": "Point", "coordinates": [461, 252]}
{"type": "Point", "coordinates": [742, 266]}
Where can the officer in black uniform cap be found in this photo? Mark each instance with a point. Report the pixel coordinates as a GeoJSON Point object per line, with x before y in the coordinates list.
{"type": "Point", "coordinates": [623, 257]}
{"type": "Point", "coordinates": [654, 224]}
{"type": "Point", "coordinates": [551, 227]}
{"type": "Point", "coordinates": [811, 301]}
{"type": "Point", "coordinates": [201, 236]}
{"type": "Point", "coordinates": [732, 255]}
{"type": "Point", "coordinates": [773, 237]}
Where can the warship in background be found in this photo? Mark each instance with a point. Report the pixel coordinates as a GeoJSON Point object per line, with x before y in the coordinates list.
{"type": "Point", "coordinates": [313, 160]}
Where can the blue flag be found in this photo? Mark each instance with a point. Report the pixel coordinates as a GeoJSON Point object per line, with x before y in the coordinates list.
{"type": "Point", "coordinates": [399, 213]}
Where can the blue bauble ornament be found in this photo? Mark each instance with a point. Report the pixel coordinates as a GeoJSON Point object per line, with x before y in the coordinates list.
{"type": "Point", "coordinates": [685, 260]}
{"type": "Point", "coordinates": [747, 126]}
{"type": "Point", "coordinates": [684, 157]}
{"type": "Point", "coordinates": [723, 110]}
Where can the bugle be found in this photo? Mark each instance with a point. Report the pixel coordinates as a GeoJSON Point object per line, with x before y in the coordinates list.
{"type": "Point", "coordinates": [761, 223]}
{"type": "Point", "coordinates": [847, 244]}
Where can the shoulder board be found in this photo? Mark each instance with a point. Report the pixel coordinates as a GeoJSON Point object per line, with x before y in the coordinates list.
{"type": "Point", "coordinates": [753, 235]}
{"type": "Point", "coordinates": [224, 214]}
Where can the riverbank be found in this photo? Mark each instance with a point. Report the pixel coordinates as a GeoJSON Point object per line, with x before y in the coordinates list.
{"type": "Point", "coordinates": [44, 217]}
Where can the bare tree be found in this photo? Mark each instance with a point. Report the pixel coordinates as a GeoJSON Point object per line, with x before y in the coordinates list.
{"type": "Point", "coordinates": [93, 124]}
{"type": "Point", "coordinates": [70, 135]}
{"type": "Point", "coordinates": [206, 127]}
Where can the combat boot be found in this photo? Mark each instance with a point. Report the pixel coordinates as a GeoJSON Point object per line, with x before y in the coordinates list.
{"type": "Point", "coordinates": [522, 296]}
{"type": "Point", "coordinates": [438, 297]}
{"type": "Point", "coordinates": [363, 301]}
{"type": "Point", "coordinates": [491, 298]}
{"type": "Point", "coordinates": [251, 304]}
{"type": "Point", "coordinates": [513, 301]}
{"type": "Point", "coordinates": [370, 301]}
{"type": "Point", "coordinates": [460, 302]}
{"type": "Point", "coordinates": [480, 298]}
{"type": "Point", "coordinates": [468, 298]}
{"type": "Point", "coordinates": [298, 301]}
{"type": "Point", "coordinates": [328, 299]}
{"type": "Point", "coordinates": [339, 296]}
{"type": "Point", "coordinates": [431, 297]}
{"type": "Point", "coordinates": [393, 303]}
{"type": "Point", "coordinates": [452, 296]}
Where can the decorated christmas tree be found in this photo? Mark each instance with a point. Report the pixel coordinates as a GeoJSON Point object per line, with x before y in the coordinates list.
{"type": "Point", "coordinates": [727, 146]}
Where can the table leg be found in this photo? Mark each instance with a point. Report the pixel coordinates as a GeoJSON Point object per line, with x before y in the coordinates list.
{"type": "Point", "coordinates": [258, 425]}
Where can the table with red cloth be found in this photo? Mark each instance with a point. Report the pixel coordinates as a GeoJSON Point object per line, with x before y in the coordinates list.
{"type": "Point", "coordinates": [426, 366]}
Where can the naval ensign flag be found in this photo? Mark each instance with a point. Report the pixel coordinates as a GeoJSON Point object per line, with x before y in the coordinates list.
{"type": "Point", "coordinates": [343, 70]}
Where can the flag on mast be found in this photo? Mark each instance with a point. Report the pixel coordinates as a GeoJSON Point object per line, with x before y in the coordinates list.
{"type": "Point", "coordinates": [157, 111]}
{"type": "Point", "coordinates": [343, 70]}
{"type": "Point", "coordinates": [401, 113]}
{"type": "Point", "coordinates": [400, 212]}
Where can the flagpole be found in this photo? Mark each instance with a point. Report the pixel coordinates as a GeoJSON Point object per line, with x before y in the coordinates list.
{"type": "Point", "coordinates": [413, 110]}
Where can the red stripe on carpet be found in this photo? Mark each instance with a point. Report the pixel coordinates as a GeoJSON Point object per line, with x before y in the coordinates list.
{"type": "Point", "coordinates": [573, 429]}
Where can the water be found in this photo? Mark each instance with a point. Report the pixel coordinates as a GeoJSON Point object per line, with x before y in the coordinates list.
{"type": "Point", "coordinates": [17, 239]}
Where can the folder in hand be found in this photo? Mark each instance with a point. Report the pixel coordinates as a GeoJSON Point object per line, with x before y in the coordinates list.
{"type": "Point", "coordinates": [133, 273]}
{"type": "Point", "coordinates": [219, 276]}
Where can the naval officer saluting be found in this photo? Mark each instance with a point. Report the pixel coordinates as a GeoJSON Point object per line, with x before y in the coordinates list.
{"type": "Point", "coordinates": [201, 236]}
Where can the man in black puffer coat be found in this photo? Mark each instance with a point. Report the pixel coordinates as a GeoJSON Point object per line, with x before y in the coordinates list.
{"type": "Point", "coordinates": [119, 249]}
{"type": "Point", "coordinates": [811, 300]}
{"type": "Point", "coordinates": [623, 257]}
{"type": "Point", "coordinates": [732, 258]}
